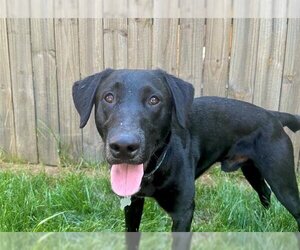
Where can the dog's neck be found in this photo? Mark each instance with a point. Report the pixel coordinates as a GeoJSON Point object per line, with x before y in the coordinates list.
{"type": "Point", "coordinates": [158, 158]}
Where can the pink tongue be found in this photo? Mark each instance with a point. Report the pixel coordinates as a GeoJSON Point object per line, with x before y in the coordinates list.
{"type": "Point", "coordinates": [126, 179]}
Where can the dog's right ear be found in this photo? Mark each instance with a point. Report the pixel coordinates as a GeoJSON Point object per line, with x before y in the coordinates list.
{"type": "Point", "coordinates": [182, 94]}
{"type": "Point", "coordinates": [84, 92]}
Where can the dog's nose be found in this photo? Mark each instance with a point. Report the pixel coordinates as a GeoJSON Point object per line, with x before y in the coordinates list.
{"type": "Point", "coordinates": [124, 146]}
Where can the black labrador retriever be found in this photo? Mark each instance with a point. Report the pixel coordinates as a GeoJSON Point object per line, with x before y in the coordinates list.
{"type": "Point", "coordinates": [159, 139]}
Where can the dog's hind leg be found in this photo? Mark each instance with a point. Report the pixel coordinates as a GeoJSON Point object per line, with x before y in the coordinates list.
{"type": "Point", "coordinates": [276, 165]}
{"type": "Point", "coordinates": [256, 180]}
{"type": "Point", "coordinates": [287, 193]}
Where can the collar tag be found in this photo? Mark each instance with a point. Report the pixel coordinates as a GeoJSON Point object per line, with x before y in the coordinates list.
{"type": "Point", "coordinates": [124, 202]}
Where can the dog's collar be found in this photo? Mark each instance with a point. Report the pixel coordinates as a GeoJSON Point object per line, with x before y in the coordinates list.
{"type": "Point", "coordinates": [147, 176]}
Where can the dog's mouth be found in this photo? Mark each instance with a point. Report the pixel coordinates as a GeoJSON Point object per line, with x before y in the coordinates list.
{"type": "Point", "coordinates": [126, 179]}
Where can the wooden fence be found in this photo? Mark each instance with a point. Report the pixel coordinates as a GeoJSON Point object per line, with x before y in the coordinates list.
{"type": "Point", "coordinates": [256, 60]}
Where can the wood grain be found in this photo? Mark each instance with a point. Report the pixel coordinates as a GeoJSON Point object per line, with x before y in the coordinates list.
{"type": "Point", "coordinates": [7, 126]}
{"type": "Point", "coordinates": [45, 89]}
{"type": "Point", "coordinates": [216, 63]}
{"type": "Point", "coordinates": [22, 84]}
{"type": "Point", "coordinates": [248, 59]}
{"type": "Point", "coordinates": [269, 67]}
{"type": "Point", "coordinates": [67, 54]}
{"type": "Point", "coordinates": [115, 43]}
{"type": "Point", "coordinates": [192, 34]}
{"type": "Point", "coordinates": [165, 45]}
{"type": "Point", "coordinates": [91, 62]}
{"type": "Point", "coordinates": [139, 43]}
{"type": "Point", "coordinates": [290, 92]}
{"type": "Point", "coordinates": [243, 59]}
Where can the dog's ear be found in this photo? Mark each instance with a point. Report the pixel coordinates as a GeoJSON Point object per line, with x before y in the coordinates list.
{"type": "Point", "coordinates": [183, 97]}
{"type": "Point", "coordinates": [84, 94]}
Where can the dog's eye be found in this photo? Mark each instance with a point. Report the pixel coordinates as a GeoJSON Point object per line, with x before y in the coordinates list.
{"type": "Point", "coordinates": [109, 98]}
{"type": "Point", "coordinates": [154, 100]}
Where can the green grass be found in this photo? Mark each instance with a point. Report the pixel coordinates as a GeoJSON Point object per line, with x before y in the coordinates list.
{"type": "Point", "coordinates": [10, 158]}
{"type": "Point", "coordinates": [149, 241]}
{"type": "Point", "coordinates": [77, 202]}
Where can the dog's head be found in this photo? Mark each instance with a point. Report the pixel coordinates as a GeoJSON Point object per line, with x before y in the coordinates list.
{"type": "Point", "coordinates": [135, 111]}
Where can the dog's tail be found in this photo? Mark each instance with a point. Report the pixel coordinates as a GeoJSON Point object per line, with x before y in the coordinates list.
{"type": "Point", "coordinates": [288, 120]}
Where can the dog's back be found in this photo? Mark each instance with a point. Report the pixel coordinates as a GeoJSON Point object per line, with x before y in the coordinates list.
{"type": "Point", "coordinates": [230, 113]}
{"type": "Point", "coordinates": [217, 123]}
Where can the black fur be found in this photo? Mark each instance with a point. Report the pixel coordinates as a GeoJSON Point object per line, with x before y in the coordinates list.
{"type": "Point", "coordinates": [194, 133]}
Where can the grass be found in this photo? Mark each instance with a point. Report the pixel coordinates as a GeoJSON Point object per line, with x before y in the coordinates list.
{"type": "Point", "coordinates": [79, 202]}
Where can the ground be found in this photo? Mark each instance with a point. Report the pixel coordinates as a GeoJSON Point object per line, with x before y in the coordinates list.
{"type": "Point", "coordinates": [62, 199]}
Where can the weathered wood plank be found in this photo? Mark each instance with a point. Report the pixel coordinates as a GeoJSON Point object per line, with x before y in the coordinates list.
{"type": "Point", "coordinates": [42, 9]}
{"type": "Point", "coordinates": [140, 43]}
{"type": "Point", "coordinates": [67, 54]}
{"type": "Point", "coordinates": [66, 9]}
{"type": "Point", "coordinates": [115, 43]}
{"type": "Point", "coordinates": [115, 9]}
{"type": "Point", "coordinates": [192, 34]}
{"type": "Point", "coordinates": [165, 45]}
{"type": "Point", "coordinates": [7, 127]}
{"type": "Point", "coordinates": [269, 67]}
{"type": "Point", "coordinates": [243, 59]}
{"type": "Point", "coordinates": [193, 8]}
{"type": "Point", "coordinates": [140, 8]}
{"type": "Point", "coordinates": [22, 83]}
{"type": "Point", "coordinates": [166, 9]}
{"type": "Point", "coordinates": [18, 9]}
{"type": "Point", "coordinates": [91, 61]}
{"type": "Point", "coordinates": [216, 60]}
{"type": "Point", "coordinates": [290, 92]}
{"type": "Point", "coordinates": [45, 89]}
{"type": "Point", "coordinates": [90, 9]}
{"type": "Point", "coordinates": [3, 12]}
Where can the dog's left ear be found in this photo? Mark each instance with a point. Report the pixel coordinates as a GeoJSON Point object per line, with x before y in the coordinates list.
{"type": "Point", "coordinates": [84, 92]}
{"type": "Point", "coordinates": [183, 97]}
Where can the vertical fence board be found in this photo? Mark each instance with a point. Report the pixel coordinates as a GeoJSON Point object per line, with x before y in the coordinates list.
{"type": "Point", "coordinates": [3, 12]}
{"type": "Point", "coordinates": [7, 127]}
{"type": "Point", "coordinates": [22, 83]}
{"type": "Point", "coordinates": [67, 54]}
{"type": "Point", "coordinates": [165, 45]}
{"type": "Point", "coordinates": [115, 42]}
{"type": "Point", "coordinates": [40, 60]}
{"type": "Point", "coordinates": [91, 61]}
{"type": "Point", "coordinates": [243, 59]}
{"type": "Point", "coordinates": [115, 9]}
{"type": "Point", "coordinates": [216, 57]}
{"type": "Point", "coordinates": [139, 43]}
{"type": "Point", "coordinates": [45, 88]}
{"type": "Point", "coordinates": [66, 9]}
{"type": "Point", "coordinates": [290, 93]}
{"type": "Point", "coordinates": [166, 9]}
{"type": "Point", "coordinates": [140, 8]}
{"type": "Point", "coordinates": [192, 33]}
{"type": "Point", "coordinates": [90, 9]}
{"type": "Point", "coordinates": [269, 68]}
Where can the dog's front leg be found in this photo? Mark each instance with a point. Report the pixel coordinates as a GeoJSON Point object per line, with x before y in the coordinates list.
{"type": "Point", "coordinates": [182, 223]}
{"type": "Point", "coordinates": [181, 226]}
{"type": "Point", "coordinates": [181, 241]}
{"type": "Point", "coordinates": [182, 220]}
{"type": "Point", "coordinates": [133, 216]}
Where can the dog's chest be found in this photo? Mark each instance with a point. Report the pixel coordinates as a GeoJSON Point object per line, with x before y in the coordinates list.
{"type": "Point", "coordinates": [147, 189]}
